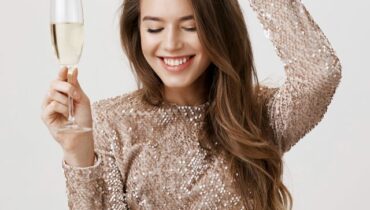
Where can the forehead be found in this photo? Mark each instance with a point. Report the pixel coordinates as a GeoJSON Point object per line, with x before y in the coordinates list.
{"type": "Point", "coordinates": [165, 8]}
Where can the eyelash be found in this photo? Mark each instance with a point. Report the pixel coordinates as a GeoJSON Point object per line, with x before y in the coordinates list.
{"type": "Point", "coordinates": [160, 29]}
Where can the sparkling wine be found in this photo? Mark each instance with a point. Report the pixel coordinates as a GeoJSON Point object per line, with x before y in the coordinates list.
{"type": "Point", "coordinates": [67, 40]}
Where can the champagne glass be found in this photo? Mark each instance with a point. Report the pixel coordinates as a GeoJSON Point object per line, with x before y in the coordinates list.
{"type": "Point", "coordinates": [67, 36]}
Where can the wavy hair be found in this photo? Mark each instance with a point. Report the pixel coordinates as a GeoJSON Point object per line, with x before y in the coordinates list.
{"type": "Point", "coordinates": [236, 118]}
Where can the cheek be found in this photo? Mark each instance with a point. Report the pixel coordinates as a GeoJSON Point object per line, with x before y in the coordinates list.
{"type": "Point", "coordinates": [148, 43]}
{"type": "Point", "coordinates": [197, 46]}
{"type": "Point", "coordinates": [204, 60]}
{"type": "Point", "coordinates": [194, 42]}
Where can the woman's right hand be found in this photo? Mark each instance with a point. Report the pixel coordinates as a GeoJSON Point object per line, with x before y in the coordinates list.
{"type": "Point", "coordinates": [78, 148]}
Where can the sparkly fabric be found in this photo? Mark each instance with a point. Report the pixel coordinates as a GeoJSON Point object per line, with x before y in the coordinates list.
{"type": "Point", "coordinates": [149, 157]}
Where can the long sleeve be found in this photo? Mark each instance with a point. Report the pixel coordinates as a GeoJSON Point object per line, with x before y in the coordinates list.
{"type": "Point", "coordinates": [313, 70]}
{"type": "Point", "coordinates": [99, 186]}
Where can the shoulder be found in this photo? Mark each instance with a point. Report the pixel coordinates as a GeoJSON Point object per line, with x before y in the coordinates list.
{"type": "Point", "coordinates": [265, 93]}
{"type": "Point", "coordinates": [115, 106]}
{"type": "Point", "coordinates": [112, 125]}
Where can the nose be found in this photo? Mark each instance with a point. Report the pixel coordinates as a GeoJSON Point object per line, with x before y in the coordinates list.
{"type": "Point", "coordinates": [173, 40]}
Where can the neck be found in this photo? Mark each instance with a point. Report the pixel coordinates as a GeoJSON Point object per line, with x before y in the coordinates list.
{"type": "Point", "coordinates": [195, 94]}
{"type": "Point", "coordinates": [181, 96]}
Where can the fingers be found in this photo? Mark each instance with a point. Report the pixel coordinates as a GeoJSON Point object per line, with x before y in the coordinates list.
{"type": "Point", "coordinates": [57, 96]}
{"type": "Point", "coordinates": [75, 80]}
{"type": "Point", "coordinates": [56, 100]}
{"type": "Point", "coordinates": [65, 88]}
{"type": "Point", "coordinates": [60, 89]}
{"type": "Point", "coordinates": [62, 74]}
{"type": "Point", "coordinates": [54, 108]}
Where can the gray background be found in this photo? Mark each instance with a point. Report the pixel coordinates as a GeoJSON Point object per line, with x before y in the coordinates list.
{"type": "Point", "coordinates": [328, 169]}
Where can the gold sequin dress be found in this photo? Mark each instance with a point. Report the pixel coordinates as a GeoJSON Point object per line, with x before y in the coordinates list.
{"type": "Point", "coordinates": [149, 157]}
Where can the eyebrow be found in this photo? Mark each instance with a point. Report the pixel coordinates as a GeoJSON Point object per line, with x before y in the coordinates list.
{"type": "Point", "coordinates": [188, 17]}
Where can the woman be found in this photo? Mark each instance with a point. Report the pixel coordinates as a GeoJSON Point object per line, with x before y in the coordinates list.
{"type": "Point", "coordinates": [200, 133]}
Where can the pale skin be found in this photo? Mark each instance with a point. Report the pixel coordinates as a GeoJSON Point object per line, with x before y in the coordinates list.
{"type": "Point", "coordinates": [168, 30]}
{"type": "Point", "coordinates": [175, 38]}
{"type": "Point", "coordinates": [78, 149]}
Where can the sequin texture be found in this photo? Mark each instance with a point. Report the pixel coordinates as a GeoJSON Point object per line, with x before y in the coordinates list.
{"type": "Point", "coordinates": [149, 157]}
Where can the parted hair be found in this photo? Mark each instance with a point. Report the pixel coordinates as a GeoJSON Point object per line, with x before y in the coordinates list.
{"type": "Point", "coordinates": [236, 117]}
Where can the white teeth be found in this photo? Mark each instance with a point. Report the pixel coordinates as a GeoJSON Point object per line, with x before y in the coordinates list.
{"type": "Point", "coordinates": [175, 62]}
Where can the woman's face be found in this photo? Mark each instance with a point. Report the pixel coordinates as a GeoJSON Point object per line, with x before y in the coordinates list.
{"type": "Point", "coordinates": [170, 42]}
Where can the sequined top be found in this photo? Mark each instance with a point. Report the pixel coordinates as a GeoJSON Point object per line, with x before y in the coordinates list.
{"type": "Point", "coordinates": [149, 157]}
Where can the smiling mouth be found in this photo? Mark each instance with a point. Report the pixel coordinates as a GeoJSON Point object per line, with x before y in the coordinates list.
{"type": "Point", "coordinates": [176, 61]}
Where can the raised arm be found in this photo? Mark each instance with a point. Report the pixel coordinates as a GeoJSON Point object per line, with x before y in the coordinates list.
{"type": "Point", "coordinates": [100, 186]}
{"type": "Point", "coordinates": [313, 70]}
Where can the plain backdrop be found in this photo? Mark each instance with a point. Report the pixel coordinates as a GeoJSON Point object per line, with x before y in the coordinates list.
{"type": "Point", "coordinates": [327, 170]}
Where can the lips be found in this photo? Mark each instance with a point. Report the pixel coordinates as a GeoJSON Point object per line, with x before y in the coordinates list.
{"type": "Point", "coordinates": [175, 61]}
{"type": "Point", "coordinates": [176, 64]}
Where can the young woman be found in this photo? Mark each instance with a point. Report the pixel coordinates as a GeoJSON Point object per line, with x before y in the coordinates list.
{"type": "Point", "coordinates": [200, 132]}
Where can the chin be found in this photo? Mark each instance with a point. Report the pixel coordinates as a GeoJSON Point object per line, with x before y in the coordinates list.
{"type": "Point", "coordinates": [176, 82]}
{"type": "Point", "coordinates": [175, 85]}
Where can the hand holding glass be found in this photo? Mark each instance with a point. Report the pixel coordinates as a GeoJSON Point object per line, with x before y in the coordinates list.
{"type": "Point", "coordinates": [67, 37]}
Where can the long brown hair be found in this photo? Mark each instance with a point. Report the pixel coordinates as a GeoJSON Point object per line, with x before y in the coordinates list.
{"type": "Point", "coordinates": [236, 118]}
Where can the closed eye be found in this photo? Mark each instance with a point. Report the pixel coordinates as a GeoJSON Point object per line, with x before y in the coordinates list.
{"type": "Point", "coordinates": [154, 30]}
{"type": "Point", "coordinates": [190, 29]}
{"type": "Point", "coordinates": [160, 29]}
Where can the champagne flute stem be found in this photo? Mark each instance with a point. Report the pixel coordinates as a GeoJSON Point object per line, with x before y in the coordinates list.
{"type": "Point", "coordinates": [71, 118]}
